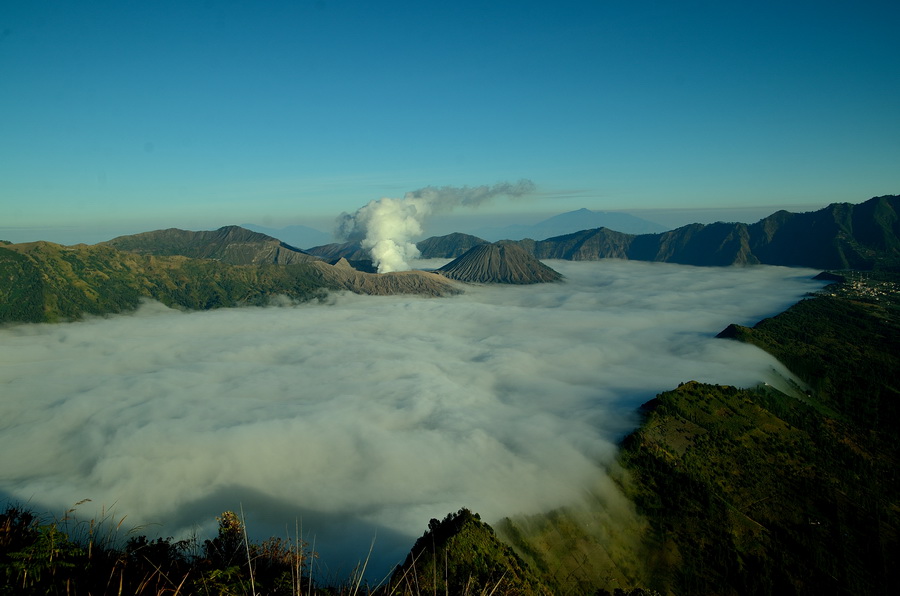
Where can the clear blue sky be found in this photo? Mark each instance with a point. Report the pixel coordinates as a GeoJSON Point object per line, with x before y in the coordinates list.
{"type": "Point", "coordinates": [198, 114]}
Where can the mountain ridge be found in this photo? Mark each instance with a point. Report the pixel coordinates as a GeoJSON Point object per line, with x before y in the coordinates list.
{"type": "Point", "coordinates": [46, 282]}
{"type": "Point", "coordinates": [229, 244]}
{"type": "Point", "coordinates": [839, 236]}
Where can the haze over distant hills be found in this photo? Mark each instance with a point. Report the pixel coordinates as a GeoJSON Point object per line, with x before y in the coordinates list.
{"type": "Point", "coordinates": [572, 221]}
{"type": "Point", "coordinates": [306, 237]}
{"type": "Point", "coordinates": [296, 235]}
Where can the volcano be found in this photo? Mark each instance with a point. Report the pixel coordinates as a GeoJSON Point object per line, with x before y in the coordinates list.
{"type": "Point", "coordinates": [499, 263]}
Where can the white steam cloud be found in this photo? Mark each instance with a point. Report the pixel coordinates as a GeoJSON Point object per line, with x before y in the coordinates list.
{"type": "Point", "coordinates": [388, 227]}
{"type": "Point", "coordinates": [371, 414]}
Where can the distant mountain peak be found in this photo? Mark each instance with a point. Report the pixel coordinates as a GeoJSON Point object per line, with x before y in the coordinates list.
{"type": "Point", "coordinates": [574, 221]}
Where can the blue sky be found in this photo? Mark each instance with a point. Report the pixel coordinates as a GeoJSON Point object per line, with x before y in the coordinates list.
{"type": "Point", "coordinates": [138, 115]}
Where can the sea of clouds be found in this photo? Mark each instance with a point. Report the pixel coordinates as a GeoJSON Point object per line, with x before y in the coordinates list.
{"type": "Point", "coordinates": [367, 416]}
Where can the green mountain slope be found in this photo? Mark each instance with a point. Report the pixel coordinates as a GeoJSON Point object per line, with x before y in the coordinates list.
{"type": "Point", "coordinates": [45, 282]}
{"type": "Point", "coordinates": [840, 236]}
{"type": "Point", "coordinates": [48, 282]}
{"type": "Point", "coordinates": [752, 491]}
{"type": "Point", "coordinates": [845, 346]}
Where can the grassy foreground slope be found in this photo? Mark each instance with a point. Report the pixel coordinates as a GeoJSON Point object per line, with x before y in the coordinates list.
{"type": "Point", "coordinates": [754, 492]}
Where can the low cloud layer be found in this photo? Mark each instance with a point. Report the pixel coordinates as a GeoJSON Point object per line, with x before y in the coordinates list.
{"type": "Point", "coordinates": [389, 227]}
{"type": "Point", "coordinates": [370, 414]}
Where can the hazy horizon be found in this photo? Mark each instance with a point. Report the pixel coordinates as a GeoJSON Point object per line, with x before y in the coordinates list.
{"type": "Point", "coordinates": [368, 415]}
{"type": "Point", "coordinates": [438, 225]}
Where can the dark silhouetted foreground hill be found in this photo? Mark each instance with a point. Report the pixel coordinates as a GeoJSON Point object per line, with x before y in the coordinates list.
{"type": "Point", "coordinates": [462, 555]}
{"type": "Point", "coordinates": [503, 262]}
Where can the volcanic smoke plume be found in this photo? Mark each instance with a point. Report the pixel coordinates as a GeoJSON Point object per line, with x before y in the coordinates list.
{"type": "Point", "coordinates": [388, 227]}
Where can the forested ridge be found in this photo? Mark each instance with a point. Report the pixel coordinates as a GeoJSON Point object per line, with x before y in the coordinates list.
{"type": "Point", "coordinates": [750, 491]}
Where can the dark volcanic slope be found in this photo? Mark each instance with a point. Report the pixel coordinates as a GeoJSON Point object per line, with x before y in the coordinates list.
{"type": "Point", "coordinates": [449, 246]}
{"type": "Point", "coordinates": [231, 244]}
{"type": "Point", "coordinates": [503, 263]}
